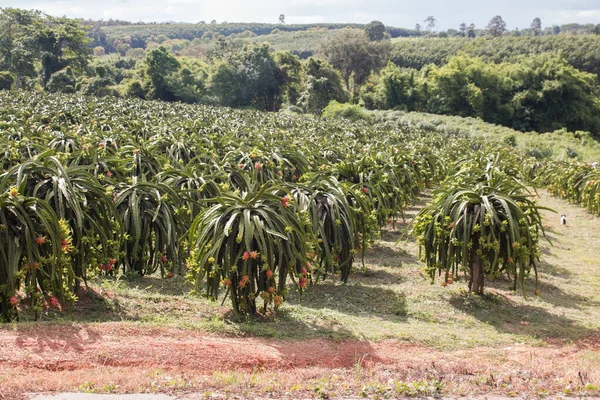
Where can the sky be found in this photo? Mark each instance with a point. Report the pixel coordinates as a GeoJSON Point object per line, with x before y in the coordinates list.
{"type": "Point", "coordinates": [398, 13]}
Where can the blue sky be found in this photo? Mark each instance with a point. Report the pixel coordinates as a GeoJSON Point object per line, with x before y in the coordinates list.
{"type": "Point", "coordinates": [401, 13]}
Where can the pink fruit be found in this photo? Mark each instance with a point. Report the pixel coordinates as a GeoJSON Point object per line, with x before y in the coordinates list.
{"type": "Point", "coordinates": [53, 301]}
{"type": "Point", "coordinates": [302, 283]}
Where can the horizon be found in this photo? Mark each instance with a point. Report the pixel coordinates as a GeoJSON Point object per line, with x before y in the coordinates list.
{"type": "Point", "coordinates": [399, 14]}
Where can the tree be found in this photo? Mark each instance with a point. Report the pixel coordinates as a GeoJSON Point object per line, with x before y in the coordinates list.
{"type": "Point", "coordinates": [321, 84]}
{"type": "Point", "coordinates": [536, 26]}
{"type": "Point", "coordinates": [471, 31]}
{"type": "Point", "coordinates": [18, 47]}
{"type": "Point", "coordinates": [496, 27]}
{"type": "Point", "coordinates": [62, 42]}
{"type": "Point", "coordinates": [469, 87]}
{"type": "Point", "coordinates": [289, 76]}
{"type": "Point", "coordinates": [134, 89]}
{"type": "Point", "coordinates": [418, 28]}
{"type": "Point", "coordinates": [62, 82]}
{"type": "Point", "coordinates": [463, 29]}
{"type": "Point", "coordinates": [249, 77]}
{"type": "Point", "coordinates": [393, 88]}
{"type": "Point", "coordinates": [430, 20]}
{"type": "Point", "coordinates": [553, 95]}
{"type": "Point", "coordinates": [375, 31]}
{"type": "Point", "coordinates": [161, 67]}
{"type": "Point", "coordinates": [351, 52]}
{"type": "Point", "coordinates": [281, 19]}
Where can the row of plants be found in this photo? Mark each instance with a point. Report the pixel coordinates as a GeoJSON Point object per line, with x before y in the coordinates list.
{"type": "Point", "coordinates": [100, 187]}
{"type": "Point", "coordinates": [576, 181]}
{"type": "Point", "coordinates": [243, 202]}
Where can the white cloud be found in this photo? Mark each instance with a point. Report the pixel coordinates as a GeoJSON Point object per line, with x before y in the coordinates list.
{"type": "Point", "coordinates": [403, 13]}
{"type": "Point", "coordinates": [591, 16]}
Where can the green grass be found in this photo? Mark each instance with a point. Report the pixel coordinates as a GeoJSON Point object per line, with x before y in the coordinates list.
{"type": "Point", "coordinates": [392, 298]}
{"type": "Point", "coordinates": [558, 145]}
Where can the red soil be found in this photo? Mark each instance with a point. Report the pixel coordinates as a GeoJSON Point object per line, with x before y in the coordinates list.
{"type": "Point", "coordinates": [112, 356]}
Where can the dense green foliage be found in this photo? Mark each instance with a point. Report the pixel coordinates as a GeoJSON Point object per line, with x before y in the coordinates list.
{"type": "Point", "coordinates": [541, 94]}
{"type": "Point", "coordinates": [322, 83]}
{"type": "Point", "coordinates": [581, 52]}
{"type": "Point", "coordinates": [354, 55]}
{"type": "Point", "coordinates": [30, 38]}
{"type": "Point", "coordinates": [576, 182]}
{"type": "Point", "coordinates": [243, 200]}
{"type": "Point", "coordinates": [110, 186]}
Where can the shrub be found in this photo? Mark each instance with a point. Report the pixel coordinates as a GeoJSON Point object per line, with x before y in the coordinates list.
{"type": "Point", "coordinates": [6, 80]}
{"type": "Point", "coordinates": [351, 112]}
{"type": "Point", "coordinates": [62, 82]}
{"type": "Point", "coordinates": [485, 225]}
{"type": "Point", "coordinates": [249, 243]}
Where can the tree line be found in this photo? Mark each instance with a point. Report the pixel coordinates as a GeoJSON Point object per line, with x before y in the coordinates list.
{"type": "Point", "coordinates": [582, 52]}
{"type": "Point", "coordinates": [541, 93]}
{"type": "Point", "coordinates": [137, 36]}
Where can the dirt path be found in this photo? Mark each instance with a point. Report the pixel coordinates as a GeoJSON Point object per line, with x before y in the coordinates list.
{"type": "Point", "coordinates": [129, 358]}
{"type": "Point", "coordinates": [115, 358]}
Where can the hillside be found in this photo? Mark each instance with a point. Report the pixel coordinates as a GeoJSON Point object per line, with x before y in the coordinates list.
{"type": "Point", "coordinates": [559, 145]}
{"type": "Point", "coordinates": [140, 34]}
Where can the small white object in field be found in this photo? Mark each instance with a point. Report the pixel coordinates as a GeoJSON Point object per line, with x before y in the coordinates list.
{"type": "Point", "coordinates": [595, 165]}
{"type": "Point", "coordinates": [563, 219]}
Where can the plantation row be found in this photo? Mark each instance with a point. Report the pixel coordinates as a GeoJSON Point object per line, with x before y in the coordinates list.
{"type": "Point", "coordinates": [576, 182]}
{"type": "Point", "coordinates": [245, 199]}
{"type": "Point", "coordinates": [238, 201]}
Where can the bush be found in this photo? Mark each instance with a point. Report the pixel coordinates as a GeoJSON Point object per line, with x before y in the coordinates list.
{"type": "Point", "coordinates": [99, 87]}
{"type": "Point", "coordinates": [322, 83]}
{"type": "Point", "coordinates": [62, 82]}
{"type": "Point", "coordinates": [510, 140]}
{"type": "Point", "coordinates": [352, 112]}
{"type": "Point", "coordinates": [134, 89]}
{"type": "Point", "coordinates": [6, 80]}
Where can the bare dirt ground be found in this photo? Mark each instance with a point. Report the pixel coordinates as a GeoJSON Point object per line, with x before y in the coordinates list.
{"type": "Point", "coordinates": [114, 358]}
